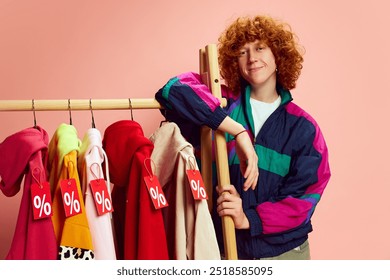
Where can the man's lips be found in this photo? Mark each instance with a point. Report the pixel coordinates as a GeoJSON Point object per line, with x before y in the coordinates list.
{"type": "Point", "coordinates": [254, 69]}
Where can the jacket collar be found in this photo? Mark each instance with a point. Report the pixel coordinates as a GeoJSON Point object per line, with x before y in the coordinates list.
{"type": "Point", "coordinates": [284, 94]}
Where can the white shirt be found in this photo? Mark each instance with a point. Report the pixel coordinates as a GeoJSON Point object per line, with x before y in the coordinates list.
{"type": "Point", "coordinates": [262, 110]}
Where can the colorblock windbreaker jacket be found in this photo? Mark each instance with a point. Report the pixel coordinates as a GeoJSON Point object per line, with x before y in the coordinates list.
{"type": "Point", "coordinates": [293, 162]}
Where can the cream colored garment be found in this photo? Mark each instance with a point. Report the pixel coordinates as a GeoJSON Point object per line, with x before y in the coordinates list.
{"type": "Point", "coordinates": [90, 162]}
{"type": "Point", "coordinates": [188, 224]}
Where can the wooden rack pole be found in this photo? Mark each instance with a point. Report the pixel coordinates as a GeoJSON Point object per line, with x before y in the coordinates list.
{"type": "Point", "coordinates": [81, 104]}
{"type": "Point", "coordinates": [78, 104]}
{"type": "Point", "coordinates": [206, 140]}
{"type": "Point", "coordinates": [214, 83]}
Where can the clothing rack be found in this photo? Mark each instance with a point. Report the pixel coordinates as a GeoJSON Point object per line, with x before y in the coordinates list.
{"type": "Point", "coordinates": [209, 70]}
{"type": "Point", "coordinates": [78, 104]}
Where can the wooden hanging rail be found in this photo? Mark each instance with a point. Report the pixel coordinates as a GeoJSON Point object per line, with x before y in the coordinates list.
{"type": "Point", "coordinates": [78, 104]}
{"type": "Point", "coordinates": [82, 104]}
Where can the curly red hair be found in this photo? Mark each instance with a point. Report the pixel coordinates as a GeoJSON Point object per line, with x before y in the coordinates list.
{"type": "Point", "coordinates": [277, 35]}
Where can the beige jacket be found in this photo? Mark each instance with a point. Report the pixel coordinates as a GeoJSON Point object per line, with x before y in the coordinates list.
{"type": "Point", "coordinates": [190, 230]}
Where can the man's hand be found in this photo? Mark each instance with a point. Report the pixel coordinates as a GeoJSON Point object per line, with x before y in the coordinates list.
{"type": "Point", "coordinates": [229, 203]}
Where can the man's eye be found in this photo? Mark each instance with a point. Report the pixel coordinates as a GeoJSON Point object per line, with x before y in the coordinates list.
{"type": "Point", "coordinates": [241, 53]}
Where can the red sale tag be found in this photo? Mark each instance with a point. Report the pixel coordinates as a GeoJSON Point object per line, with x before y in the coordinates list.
{"type": "Point", "coordinates": [101, 196]}
{"type": "Point", "coordinates": [155, 191]}
{"type": "Point", "coordinates": [70, 197]}
{"type": "Point", "coordinates": [196, 184]}
{"type": "Point", "coordinates": [41, 200]}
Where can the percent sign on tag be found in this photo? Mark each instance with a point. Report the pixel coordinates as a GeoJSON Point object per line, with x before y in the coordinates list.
{"type": "Point", "coordinates": [70, 197]}
{"type": "Point", "coordinates": [196, 184]}
{"type": "Point", "coordinates": [101, 196]}
{"type": "Point", "coordinates": [155, 191]}
{"type": "Point", "coordinates": [41, 200]}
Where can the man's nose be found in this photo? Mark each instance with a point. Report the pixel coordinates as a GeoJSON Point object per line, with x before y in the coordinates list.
{"type": "Point", "coordinates": [252, 56]}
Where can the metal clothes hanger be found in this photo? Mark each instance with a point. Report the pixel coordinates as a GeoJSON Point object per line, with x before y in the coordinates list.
{"type": "Point", "coordinates": [70, 113]}
{"type": "Point", "coordinates": [93, 119]}
{"type": "Point", "coordinates": [131, 109]}
{"type": "Point", "coordinates": [33, 109]}
{"type": "Point", "coordinates": [165, 117]}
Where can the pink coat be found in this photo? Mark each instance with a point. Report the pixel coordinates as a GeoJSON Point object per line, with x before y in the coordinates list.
{"type": "Point", "coordinates": [24, 155]}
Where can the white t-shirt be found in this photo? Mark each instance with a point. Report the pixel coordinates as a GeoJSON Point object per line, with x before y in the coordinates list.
{"type": "Point", "coordinates": [262, 110]}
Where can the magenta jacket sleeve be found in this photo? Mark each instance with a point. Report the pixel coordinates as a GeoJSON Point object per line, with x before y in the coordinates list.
{"type": "Point", "coordinates": [187, 99]}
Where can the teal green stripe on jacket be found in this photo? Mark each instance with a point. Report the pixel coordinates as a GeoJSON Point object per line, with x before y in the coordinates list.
{"type": "Point", "coordinates": [269, 160]}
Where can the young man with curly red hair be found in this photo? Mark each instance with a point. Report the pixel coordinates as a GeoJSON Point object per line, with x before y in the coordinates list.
{"type": "Point", "coordinates": [278, 158]}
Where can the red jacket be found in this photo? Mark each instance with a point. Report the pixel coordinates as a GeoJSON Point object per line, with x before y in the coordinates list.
{"type": "Point", "coordinates": [139, 228]}
{"type": "Point", "coordinates": [24, 154]}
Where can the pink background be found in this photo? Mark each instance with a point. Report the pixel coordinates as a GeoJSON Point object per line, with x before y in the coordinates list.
{"type": "Point", "coordinates": [126, 49]}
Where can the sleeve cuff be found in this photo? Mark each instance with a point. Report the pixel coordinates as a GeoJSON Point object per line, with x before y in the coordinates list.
{"type": "Point", "coordinates": [216, 118]}
{"type": "Point", "coordinates": [255, 225]}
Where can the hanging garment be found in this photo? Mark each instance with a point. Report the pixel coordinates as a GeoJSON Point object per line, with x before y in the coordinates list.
{"type": "Point", "coordinates": [72, 233]}
{"type": "Point", "coordinates": [188, 223]}
{"type": "Point", "coordinates": [90, 161]}
{"type": "Point", "coordinates": [24, 154]}
{"type": "Point", "coordinates": [139, 227]}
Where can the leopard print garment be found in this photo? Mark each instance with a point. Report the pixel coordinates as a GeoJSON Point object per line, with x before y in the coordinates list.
{"type": "Point", "coordinates": [71, 253]}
